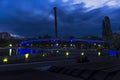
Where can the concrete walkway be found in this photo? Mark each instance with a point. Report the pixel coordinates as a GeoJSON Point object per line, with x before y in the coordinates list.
{"type": "Point", "coordinates": [105, 69]}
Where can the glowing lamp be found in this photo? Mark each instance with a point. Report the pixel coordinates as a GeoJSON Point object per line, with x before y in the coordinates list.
{"type": "Point", "coordinates": [27, 56]}
{"type": "Point", "coordinates": [71, 44]}
{"type": "Point", "coordinates": [82, 54]}
{"type": "Point", "coordinates": [94, 44]}
{"type": "Point", "coordinates": [10, 45]}
{"type": "Point", "coordinates": [57, 51]}
{"type": "Point", "coordinates": [99, 53]}
{"type": "Point", "coordinates": [43, 55]}
{"type": "Point", "coordinates": [5, 60]}
{"type": "Point", "coordinates": [57, 44]}
{"type": "Point", "coordinates": [67, 53]}
{"type": "Point", "coordinates": [99, 45]}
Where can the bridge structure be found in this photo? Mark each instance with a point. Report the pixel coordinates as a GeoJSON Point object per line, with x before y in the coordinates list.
{"type": "Point", "coordinates": [70, 41]}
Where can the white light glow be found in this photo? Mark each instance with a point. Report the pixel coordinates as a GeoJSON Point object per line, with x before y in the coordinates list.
{"type": "Point", "coordinates": [10, 52]}
{"type": "Point", "coordinates": [57, 51]}
{"type": "Point", "coordinates": [82, 54]}
{"type": "Point", "coordinates": [71, 45]}
{"type": "Point", "coordinates": [99, 45]}
{"type": "Point", "coordinates": [10, 45]}
{"type": "Point", "coordinates": [57, 44]}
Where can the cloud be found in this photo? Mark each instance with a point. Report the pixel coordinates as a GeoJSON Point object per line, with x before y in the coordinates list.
{"type": "Point", "coordinates": [93, 4]}
{"type": "Point", "coordinates": [65, 1]}
{"type": "Point", "coordinates": [52, 0]}
{"type": "Point", "coordinates": [75, 17]}
{"type": "Point", "coordinates": [16, 36]}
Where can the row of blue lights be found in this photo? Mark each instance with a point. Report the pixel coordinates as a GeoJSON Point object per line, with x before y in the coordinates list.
{"type": "Point", "coordinates": [55, 40]}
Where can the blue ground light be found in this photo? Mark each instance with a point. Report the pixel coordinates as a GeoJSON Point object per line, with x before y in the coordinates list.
{"type": "Point", "coordinates": [23, 51]}
{"type": "Point", "coordinates": [112, 53]}
{"type": "Point", "coordinates": [28, 51]}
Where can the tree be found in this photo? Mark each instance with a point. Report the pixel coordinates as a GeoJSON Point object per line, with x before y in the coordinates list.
{"type": "Point", "coordinates": [47, 36]}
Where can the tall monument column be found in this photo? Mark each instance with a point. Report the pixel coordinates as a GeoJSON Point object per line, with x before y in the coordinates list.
{"type": "Point", "coordinates": [106, 29]}
{"type": "Point", "coordinates": [56, 26]}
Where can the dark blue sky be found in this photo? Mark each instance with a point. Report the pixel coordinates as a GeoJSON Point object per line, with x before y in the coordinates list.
{"type": "Point", "coordinates": [32, 18]}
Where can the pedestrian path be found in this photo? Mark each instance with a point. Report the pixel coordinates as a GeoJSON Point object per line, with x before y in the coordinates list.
{"type": "Point", "coordinates": [101, 70]}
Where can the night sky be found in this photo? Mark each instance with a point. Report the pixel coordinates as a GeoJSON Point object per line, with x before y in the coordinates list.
{"type": "Point", "coordinates": [32, 18]}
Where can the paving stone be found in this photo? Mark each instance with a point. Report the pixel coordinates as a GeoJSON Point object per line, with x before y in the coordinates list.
{"type": "Point", "coordinates": [117, 76]}
{"type": "Point", "coordinates": [112, 69]}
{"type": "Point", "coordinates": [70, 72]}
{"type": "Point", "coordinates": [86, 74]}
{"type": "Point", "coordinates": [101, 75]}
{"type": "Point", "coordinates": [110, 76]}
{"type": "Point", "coordinates": [58, 69]}
{"type": "Point", "coordinates": [64, 70]}
{"type": "Point", "coordinates": [76, 73]}
{"type": "Point", "coordinates": [52, 69]}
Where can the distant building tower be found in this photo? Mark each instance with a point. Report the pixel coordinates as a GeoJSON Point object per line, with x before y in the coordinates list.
{"type": "Point", "coordinates": [106, 29]}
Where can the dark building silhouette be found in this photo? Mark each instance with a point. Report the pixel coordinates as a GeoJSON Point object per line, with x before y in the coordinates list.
{"type": "Point", "coordinates": [5, 35]}
{"type": "Point", "coordinates": [106, 29]}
